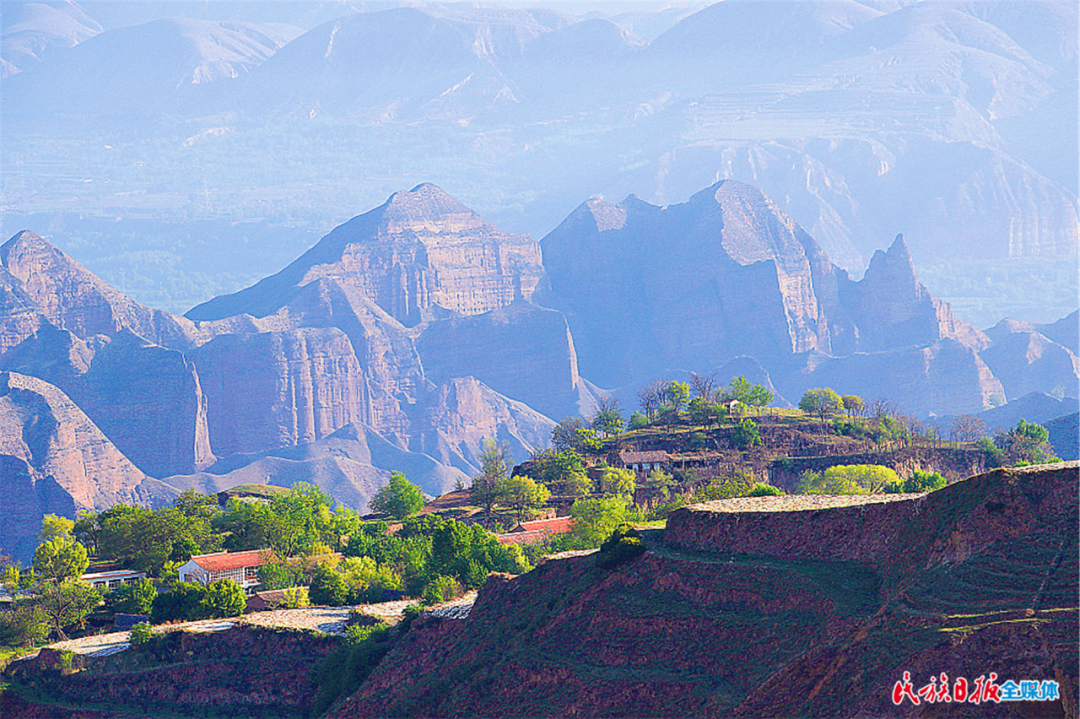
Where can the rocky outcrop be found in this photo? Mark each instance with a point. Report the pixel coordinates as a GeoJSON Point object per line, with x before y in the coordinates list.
{"type": "Point", "coordinates": [449, 423]}
{"type": "Point", "coordinates": [891, 309]}
{"type": "Point", "coordinates": [420, 251]}
{"type": "Point", "coordinates": [521, 351]}
{"type": "Point", "coordinates": [42, 278]}
{"type": "Point", "coordinates": [921, 381]}
{"type": "Point", "coordinates": [725, 274]}
{"type": "Point", "coordinates": [146, 399]}
{"type": "Point", "coordinates": [275, 389]}
{"type": "Point", "coordinates": [351, 464]}
{"type": "Point", "coordinates": [53, 459]}
{"type": "Point", "coordinates": [1026, 361]}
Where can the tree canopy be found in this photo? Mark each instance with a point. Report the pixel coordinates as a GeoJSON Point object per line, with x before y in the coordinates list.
{"type": "Point", "coordinates": [400, 498]}
{"type": "Point", "coordinates": [821, 401]}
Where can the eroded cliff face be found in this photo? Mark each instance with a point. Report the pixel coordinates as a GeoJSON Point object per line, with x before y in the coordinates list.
{"type": "Point", "coordinates": [725, 274]}
{"type": "Point", "coordinates": [751, 614]}
{"type": "Point", "coordinates": [1027, 361]}
{"type": "Point", "coordinates": [146, 399]}
{"type": "Point", "coordinates": [521, 351]}
{"type": "Point", "coordinates": [891, 309]}
{"type": "Point", "coordinates": [420, 250]}
{"type": "Point", "coordinates": [73, 298]}
{"type": "Point", "coordinates": [55, 460]}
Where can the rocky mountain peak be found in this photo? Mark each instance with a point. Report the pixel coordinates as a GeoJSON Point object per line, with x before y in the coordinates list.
{"type": "Point", "coordinates": [71, 297]}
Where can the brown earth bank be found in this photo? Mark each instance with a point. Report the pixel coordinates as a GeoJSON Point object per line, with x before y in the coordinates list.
{"type": "Point", "coordinates": [979, 577]}
{"type": "Point", "coordinates": [244, 671]}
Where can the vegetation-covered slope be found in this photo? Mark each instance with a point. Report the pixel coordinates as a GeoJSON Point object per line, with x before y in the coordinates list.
{"type": "Point", "coordinates": [981, 578]}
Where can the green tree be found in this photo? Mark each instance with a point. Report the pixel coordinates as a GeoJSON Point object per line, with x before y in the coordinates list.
{"type": "Point", "coordinates": [607, 422]}
{"type": "Point", "coordinates": [25, 625]}
{"type": "Point", "coordinates": [182, 602]}
{"type": "Point", "coordinates": [918, 482]}
{"type": "Point", "coordinates": [66, 602]}
{"type": "Point", "coordinates": [53, 526]}
{"type": "Point", "coordinates": [678, 394]}
{"type": "Point", "coordinates": [638, 421]}
{"type": "Point", "coordinates": [60, 558]}
{"type": "Point", "coordinates": [618, 482]}
{"type": "Point", "coordinates": [660, 483]}
{"type": "Point", "coordinates": [224, 598]}
{"type": "Point", "coordinates": [746, 435]}
{"type": "Point", "coordinates": [521, 494]}
{"type": "Point", "coordinates": [821, 401]}
{"type": "Point", "coordinates": [134, 598]}
{"type": "Point", "coordinates": [703, 412]}
{"type": "Point", "coordinates": [562, 472]}
{"type": "Point", "coordinates": [853, 404]}
{"type": "Point", "coordinates": [399, 499]}
{"type": "Point", "coordinates": [496, 461]}
{"type": "Point", "coordinates": [567, 435]}
{"type": "Point", "coordinates": [848, 479]}
{"type": "Point", "coordinates": [738, 389]}
{"type": "Point", "coordinates": [328, 586]}
{"type": "Point", "coordinates": [596, 519]}
{"type": "Point", "coordinates": [759, 397]}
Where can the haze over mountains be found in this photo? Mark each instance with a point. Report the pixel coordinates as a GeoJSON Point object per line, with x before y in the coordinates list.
{"type": "Point", "coordinates": [951, 122]}
{"type": "Point", "coordinates": [414, 331]}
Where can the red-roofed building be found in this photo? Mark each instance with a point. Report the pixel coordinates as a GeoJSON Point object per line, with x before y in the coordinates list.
{"type": "Point", "coordinates": [241, 567]}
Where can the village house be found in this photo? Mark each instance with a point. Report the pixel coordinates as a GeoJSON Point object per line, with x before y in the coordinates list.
{"type": "Point", "coordinates": [642, 463]}
{"type": "Point", "coordinates": [241, 567]}
{"type": "Point", "coordinates": [112, 579]}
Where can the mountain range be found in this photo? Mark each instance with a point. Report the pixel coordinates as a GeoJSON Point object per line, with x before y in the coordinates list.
{"type": "Point", "coordinates": [409, 334]}
{"type": "Point", "coordinates": [952, 122]}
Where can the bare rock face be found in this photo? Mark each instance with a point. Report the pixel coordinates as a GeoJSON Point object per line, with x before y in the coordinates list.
{"type": "Point", "coordinates": [351, 464]}
{"type": "Point", "coordinates": [53, 459]}
{"type": "Point", "coordinates": [725, 274]}
{"type": "Point", "coordinates": [71, 297]}
{"type": "Point", "coordinates": [450, 422]}
{"type": "Point", "coordinates": [1026, 361]}
{"type": "Point", "coordinates": [274, 389]}
{"type": "Point", "coordinates": [419, 251]}
{"type": "Point", "coordinates": [946, 376]}
{"type": "Point", "coordinates": [892, 309]}
{"type": "Point", "coordinates": [521, 351]}
{"type": "Point", "coordinates": [146, 399]}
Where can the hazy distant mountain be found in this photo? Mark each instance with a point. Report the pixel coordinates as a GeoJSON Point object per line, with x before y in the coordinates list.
{"type": "Point", "coordinates": [398, 64]}
{"type": "Point", "coordinates": [162, 66]}
{"type": "Point", "coordinates": [34, 32]}
{"type": "Point", "coordinates": [953, 123]}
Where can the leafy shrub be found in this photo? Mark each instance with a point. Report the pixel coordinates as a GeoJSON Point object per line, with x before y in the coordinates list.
{"type": "Point", "coordinates": [328, 586]}
{"type": "Point", "coordinates": [745, 435]}
{"type": "Point", "coordinates": [919, 481]}
{"type": "Point", "coordinates": [343, 671]}
{"type": "Point", "coordinates": [995, 456]}
{"type": "Point", "coordinates": [142, 633]}
{"type": "Point", "coordinates": [638, 421]}
{"type": "Point", "coordinates": [134, 598]}
{"type": "Point", "coordinates": [183, 601]}
{"type": "Point", "coordinates": [440, 589]}
{"type": "Point", "coordinates": [224, 598]}
{"type": "Point", "coordinates": [623, 545]}
{"type": "Point", "coordinates": [764, 490]}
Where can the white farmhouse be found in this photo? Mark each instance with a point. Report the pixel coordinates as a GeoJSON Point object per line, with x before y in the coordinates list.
{"type": "Point", "coordinates": [241, 567]}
